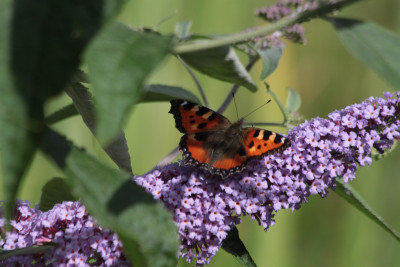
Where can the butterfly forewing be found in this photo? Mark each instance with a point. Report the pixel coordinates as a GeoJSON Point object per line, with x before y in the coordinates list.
{"type": "Point", "coordinates": [193, 118]}
{"type": "Point", "coordinates": [259, 142]}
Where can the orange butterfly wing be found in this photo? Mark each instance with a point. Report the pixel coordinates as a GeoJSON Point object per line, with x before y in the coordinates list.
{"type": "Point", "coordinates": [193, 118]}
{"type": "Point", "coordinates": [195, 121]}
{"type": "Point", "coordinates": [194, 151]}
{"type": "Point", "coordinates": [259, 142]}
{"type": "Point", "coordinates": [235, 163]}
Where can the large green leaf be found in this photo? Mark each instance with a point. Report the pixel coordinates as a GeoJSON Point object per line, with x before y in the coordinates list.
{"type": "Point", "coordinates": [221, 63]}
{"type": "Point", "coordinates": [144, 226]}
{"type": "Point", "coordinates": [17, 144]}
{"type": "Point", "coordinates": [117, 149]}
{"type": "Point", "coordinates": [41, 44]}
{"type": "Point", "coordinates": [47, 39]}
{"type": "Point", "coordinates": [373, 45]}
{"type": "Point", "coordinates": [116, 202]}
{"type": "Point", "coordinates": [119, 61]}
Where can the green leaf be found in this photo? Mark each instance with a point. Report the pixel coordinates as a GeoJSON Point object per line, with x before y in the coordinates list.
{"type": "Point", "coordinates": [53, 192]}
{"type": "Point", "coordinates": [47, 41]}
{"type": "Point", "coordinates": [117, 202]}
{"type": "Point", "coordinates": [351, 196]}
{"type": "Point", "coordinates": [293, 101]}
{"type": "Point", "coordinates": [182, 29]}
{"type": "Point", "coordinates": [233, 245]}
{"type": "Point", "coordinates": [117, 149]}
{"type": "Point", "coordinates": [270, 59]}
{"type": "Point", "coordinates": [221, 63]}
{"type": "Point", "coordinates": [24, 251]}
{"type": "Point", "coordinates": [17, 144]}
{"type": "Point", "coordinates": [144, 226]}
{"type": "Point", "coordinates": [373, 45]}
{"type": "Point", "coordinates": [159, 92]}
{"type": "Point", "coordinates": [41, 46]}
{"type": "Point", "coordinates": [119, 61]}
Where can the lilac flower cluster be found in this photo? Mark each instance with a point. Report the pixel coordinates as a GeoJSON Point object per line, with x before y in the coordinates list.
{"type": "Point", "coordinates": [273, 13]}
{"type": "Point", "coordinates": [286, 8]}
{"type": "Point", "coordinates": [77, 239]}
{"type": "Point", "coordinates": [205, 207]}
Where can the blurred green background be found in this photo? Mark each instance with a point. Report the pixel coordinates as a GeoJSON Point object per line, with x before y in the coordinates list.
{"type": "Point", "coordinates": [324, 232]}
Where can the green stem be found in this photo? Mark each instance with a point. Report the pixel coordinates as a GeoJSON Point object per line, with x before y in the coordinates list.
{"type": "Point", "coordinates": [198, 45]}
{"type": "Point", "coordinates": [277, 102]}
{"type": "Point", "coordinates": [196, 81]}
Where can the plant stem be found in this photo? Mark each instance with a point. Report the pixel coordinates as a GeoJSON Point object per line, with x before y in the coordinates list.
{"type": "Point", "coordinates": [234, 89]}
{"type": "Point", "coordinates": [198, 45]}
{"type": "Point", "coordinates": [196, 81]}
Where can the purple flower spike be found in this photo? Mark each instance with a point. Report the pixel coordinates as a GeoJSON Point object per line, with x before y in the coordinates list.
{"type": "Point", "coordinates": [76, 237]}
{"type": "Point", "coordinates": [205, 207]}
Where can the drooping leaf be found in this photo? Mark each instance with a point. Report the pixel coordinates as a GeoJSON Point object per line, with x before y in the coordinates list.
{"type": "Point", "coordinates": [144, 226]}
{"type": "Point", "coordinates": [233, 245]}
{"type": "Point", "coordinates": [41, 45]}
{"type": "Point", "coordinates": [119, 61]}
{"type": "Point", "coordinates": [53, 192]}
{"type": "Point", "coordinates": [120, 204]}
{"type": "Point", "coordinates": [159, 92]}
{"type": "Point", "coordinates": [270, 59]}
{"type": "Point", "coordinates": [17, 144]}
{"type": "Point", "coordinates": [47, 40]}
{"type": "Point", "coordinates": [293, 101]}
{"type": "Point", "coordinates": [351, 196]}
{"type": "Point", "coordinates": [221, 63]}
{"type": "Point", "coordinates": [117, 149]}
{"type": "Point", "coordinates": [373, 45]}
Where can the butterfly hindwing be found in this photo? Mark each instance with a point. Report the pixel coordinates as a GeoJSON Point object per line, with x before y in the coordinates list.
{"type": "Point", "coordinates": [259, 142]}
{"type": "Point", "coordinates": [197, 151]}
{"type": "Point", "coordinates": [193, 149]}
{"type": "Point", "coordinates": [230, 165]}
{"type": "Point", "coordinates": [193, 118]}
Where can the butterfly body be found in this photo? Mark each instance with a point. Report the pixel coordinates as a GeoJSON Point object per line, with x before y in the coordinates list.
{"type": "Point", "coordinates": [212, 142]}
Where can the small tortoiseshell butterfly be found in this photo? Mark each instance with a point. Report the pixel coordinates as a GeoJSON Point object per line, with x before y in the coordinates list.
{"type": "Point", "coordinates": [212, 142]}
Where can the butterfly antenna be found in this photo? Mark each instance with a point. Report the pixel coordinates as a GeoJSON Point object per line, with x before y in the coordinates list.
{"type": "Point", "coordinates": [257, 108]}
{"type": "Point", "coordinates": [234, 101]}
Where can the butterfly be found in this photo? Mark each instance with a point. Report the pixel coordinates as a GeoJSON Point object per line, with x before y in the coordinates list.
{"type": "Point", "coordinates": [212, 142]}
